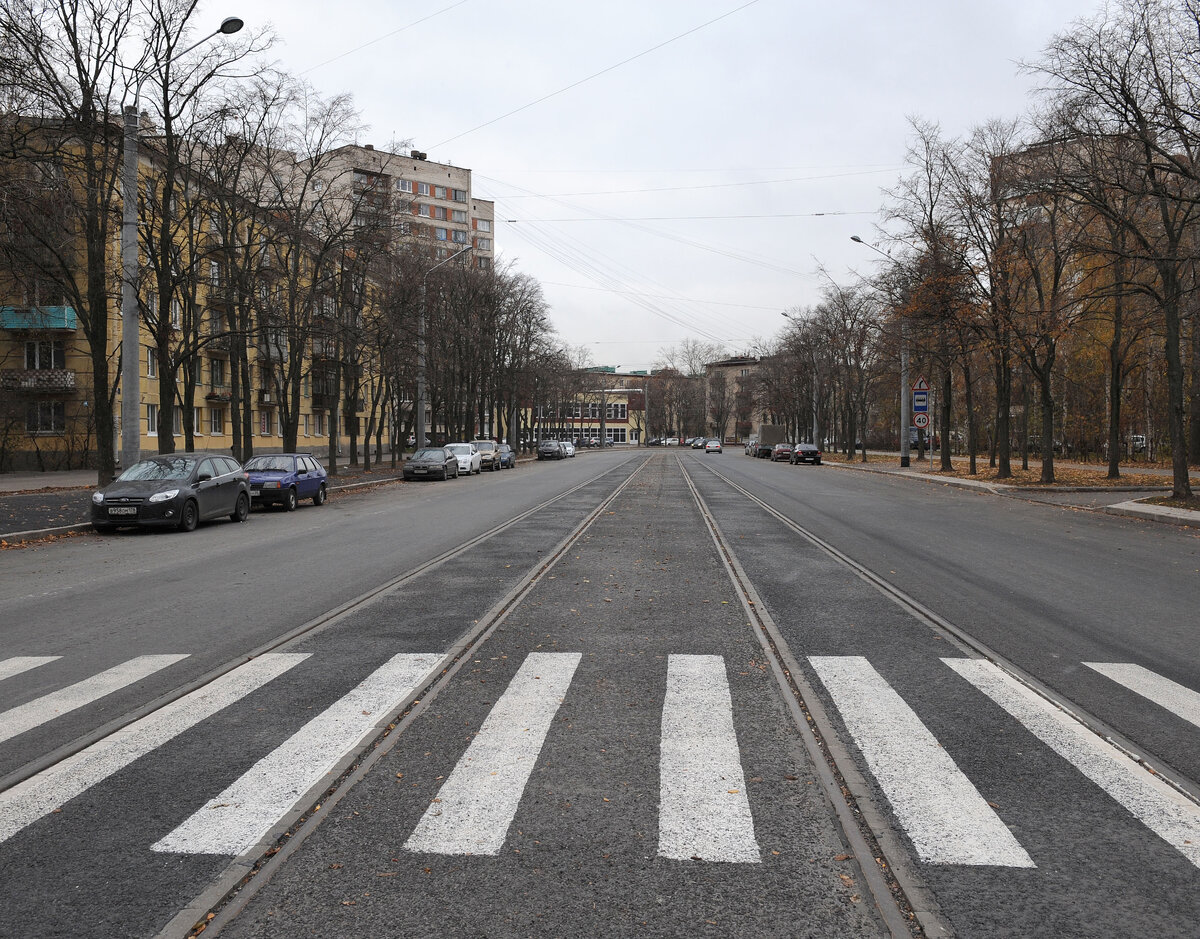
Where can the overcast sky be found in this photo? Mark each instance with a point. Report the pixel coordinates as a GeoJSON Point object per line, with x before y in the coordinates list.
{"type": "Point", "coordinates": [721, 153]}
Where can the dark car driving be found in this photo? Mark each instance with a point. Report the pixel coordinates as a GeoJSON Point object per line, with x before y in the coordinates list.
{"type": "Point", "coordinates": [432, 463]}
{"type": "Point", "coordinates": [549, 450]}
{"type": "Point", "coordinates": [177, 490]}
{"type": "Point", "coordinates": [285, 478]}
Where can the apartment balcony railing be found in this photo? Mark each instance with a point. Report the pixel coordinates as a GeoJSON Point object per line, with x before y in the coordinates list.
{"type": "Point", "coordinates": [220, 392]}
{"type": "Point", "coordinates": [38, 380]}
{"type": "Point", "coordinates": [266, 397]}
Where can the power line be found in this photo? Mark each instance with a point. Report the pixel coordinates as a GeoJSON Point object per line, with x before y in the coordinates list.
{"type": "Point", "coordinates": [754, 182]}
{"type": "Point", "coordinates": [385, 36]}
{"type": "Point", "coordinates": [603, 71]}
{"type": "Point", "coordinates": [685, 218]}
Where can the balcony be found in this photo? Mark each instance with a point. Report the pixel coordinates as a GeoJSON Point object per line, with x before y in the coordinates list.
{"type": "Point", "coordinates": [219, 393]}
{"type": "Point", "coordinates": [266, 398]}
{"type": "Point", "coordinates": [324, 347]}
{"type": "Point", "coordinates": [38, 380]}
{"type": "Point", "coordinates": [38, 318]}
{"type": "Point", "coordinates": [222, 293]}
{"type": "Point", "coordinates": [322, 401]}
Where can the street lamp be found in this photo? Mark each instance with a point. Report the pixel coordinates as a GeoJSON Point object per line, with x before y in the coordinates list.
{"type": "Point", "coordinates": [905, 390]}
{"type": "Point", "coordinates": [420, 415]}
{"type": "Point", "coordinates": [131, 436]}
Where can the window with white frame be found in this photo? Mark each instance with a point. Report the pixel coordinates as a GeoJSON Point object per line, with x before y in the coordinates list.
{"type": "Point", "coordinates": [440, 213]}
{"type": "Point", "coordinates": [615, 434]}
{"type": "Point", "coordinates": [459, 195]}
{"type": "Point", "coordinates": [483, 224]}
{"type": "Point", "coordinates": [319, 423]}
{"type": "Point", "coordinates": [152, 363]}
{"type": "Point", "coordinates": [45, 353]}
{"type": "Point", "coordinates": [425, 210]}
{"type": "Point", "coordinates": [404, 185]}
{"type": "Point", "coordinates": [459, 215]}
{"type": "Point", "coordinates": [216, 421]}
{"type": "Point", "coordinates": [279, 424]}
{"type": "Point", "coordinates": [307, 418]}
{"type": "Point", "coordinates": [46, 417]}
{"type": "Point", "coordinates": [152, 420]}
{"type": "Point", "coordinates": [198, 421]}
{"type": "Point", "coordinates": [485, 264]}
{"type": "Point", "coordinates": [459, 237]}
{"type": "Point", "coordinates": [264, 423]}
{"type": "Point", "coordinates": [439, 192]}
{"type": "Point", "coordinates": [422, 189]}
{"type": "Point", "coordinates": [616, 411]}
{"type": "Point", "coordinates": [483, 244]}
{"type": "Point", "coordinates": [440, 234]}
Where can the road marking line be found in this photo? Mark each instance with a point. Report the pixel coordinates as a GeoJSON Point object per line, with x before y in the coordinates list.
{"type": "Point", "coordinates": [704, 813]}
{"type": "Point", "coordinates": [48, 707]}
{"type": "Point", "coordinates": [23, 663]}
{"type": "Point", "coordinates": [477, 803]}
{"type": "Point", "coordinates": [1160, 808]}
{"type": "Point", "coordinates": [947, 819]}
{"type": "Point", "coordinates": [52, 788]}
{"type": "Point", "coordinates": [237, 819]}
{"type": "Point", "coordinates": [1178, 699]}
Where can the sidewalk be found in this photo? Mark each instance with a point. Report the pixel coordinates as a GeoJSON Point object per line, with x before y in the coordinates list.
{"type": "Point", "coordinates": [1127, 507]}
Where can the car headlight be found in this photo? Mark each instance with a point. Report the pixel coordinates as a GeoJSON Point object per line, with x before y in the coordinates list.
{"type": "Point", "coordinates": [97, 497]}
{"type": "Point", "coordinates": [271, 485]}
{"type": "Point", "coordinates": [164, 496]}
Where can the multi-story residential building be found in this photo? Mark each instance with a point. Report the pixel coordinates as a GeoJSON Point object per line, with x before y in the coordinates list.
{"type": "Point", "coordinates": [45, 365]}
{"type": "Point", "coordinates": [729, 397]}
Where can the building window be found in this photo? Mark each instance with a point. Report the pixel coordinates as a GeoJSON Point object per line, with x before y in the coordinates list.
{"type": "Point", "coordinates": [459, 236]}
{"type": "Point", "coordinates": [177, 414]}
{"type": "Point", "coordinates": [306, 424]}
{"type": "Point", "coordinates": [459, 215]}
{"type": "Point", "coordinates": [198, 422]}
{"type": "Point", "coordinates": [485, 264]}
{"type": "Point", "coordinates": [439, 192]}
{"type": "Point", "coordinates": [460, 195]}
{"type": "Point", "coordinates": [425, 210]}
{"type": "Point", "coordinates": [422, 189]}
{"type": "Point", "coordinates": [319, 423]}
{"type": "Point", "coordinates": [439, 212]}
{"type": "Point", "coordinates": [152, 363]}
{"type": "Point", "coordinates": [45, 353]}
{"type": "Point", "coordinates": [483, 224]}
{"type": "Point", "coordinates": [152, 420]}
{"type": "Point", "coordinates": [404, 185]}
{"type": "Point", "coordinates": [176, 315]}
{"type": "Point", "coordinates": [46, 417]}
{"type": "Point", "coordinates": [216, 369]}
{"type": "Point", "coordinates": [216, 421]}
{"type": "Point", "coordinates": [615, 434]}
{"type": "Point", "coordinates": [616, 411]}
{"type": "Point", "coordinates": [440, 234]}
{"type": "Point", "coordinates": [483, 244]}
{"type": "Point", "coordinates": [264, 423]}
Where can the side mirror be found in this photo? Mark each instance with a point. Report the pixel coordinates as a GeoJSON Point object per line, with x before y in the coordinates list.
{"type": "Point", "coordinates": [203, 477]}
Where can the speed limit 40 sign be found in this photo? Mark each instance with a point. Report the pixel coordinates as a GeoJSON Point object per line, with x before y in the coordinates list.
{"type": "Point", "coordinates": [921, 420]}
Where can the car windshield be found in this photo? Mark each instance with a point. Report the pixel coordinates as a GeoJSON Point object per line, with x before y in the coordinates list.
{"type": "Point", "coordinates": [270, 464]}
{"type": "Point", "coordinates": [168, 468]}
{"type": "Point", "coordinates": [461, 449]}
{"type": "Point", "coordinates": [430, 455]}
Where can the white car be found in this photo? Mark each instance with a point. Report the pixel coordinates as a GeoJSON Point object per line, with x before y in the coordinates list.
{"type": "Point", "coordinates": [469, 459]}
{"type": "Point", "coordinates": [568, 448]}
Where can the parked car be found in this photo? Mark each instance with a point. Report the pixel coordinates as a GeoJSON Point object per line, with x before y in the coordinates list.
{"type": "Point", "coordinates": [698, 443]}
{"type": "Point", "coordinates": [752, 446]}
{"type": "Point", "coordinates": [173, 490]}
{"type": "Point", "coordinates": [713, 445]}
{"type": "Point", "coordinates": [568, 448]}
{"type": "Point", "coordinates": [432, 462]}
{"type": "Point", "coordinates": [549, 450]}
{"type": "Point", "coordinates": [806, 453]}
{"type": "Point", "coordinates": [781, 451]}
{"type": "Point", "coordinates": [488, 450]}
{"type": "Point", "coordinates": [507, 456]}
{"type": "Point", "coordinates": [469, 460]}
{"type": "Point", "coordinates": [285, 478]}
{"type": "Point", "coordinates": [671, 442]}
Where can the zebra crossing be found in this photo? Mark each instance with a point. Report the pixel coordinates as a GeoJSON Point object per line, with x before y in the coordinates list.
{"type": "Point", "coordinates": [704, 813]}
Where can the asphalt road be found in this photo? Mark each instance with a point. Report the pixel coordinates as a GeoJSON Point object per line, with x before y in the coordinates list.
{"type": "Point", "coordinates": [572, 726]}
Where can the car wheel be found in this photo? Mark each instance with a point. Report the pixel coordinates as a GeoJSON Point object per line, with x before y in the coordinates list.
{"type": "Point", "coordinates": [289, 499]}
{"type": "Point", "coordinates": [321, 496]}
{"type": "Point", "coordinates": [241, 511]}
{"type": "Point", "coordinates": [189, 518]}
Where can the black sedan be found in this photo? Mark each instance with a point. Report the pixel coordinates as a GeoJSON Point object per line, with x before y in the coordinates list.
{"type": "Point", "coordinates": [177, 490]}
{"type": "Point", "coordinates": [806, 453]}
{"type": "Point", "coordinates": [432, 463]}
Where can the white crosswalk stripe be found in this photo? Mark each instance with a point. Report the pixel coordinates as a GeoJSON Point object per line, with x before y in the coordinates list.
{"type": "Point", "coordinates": [1173, 696]}
{"type": "Point", "coordinates": [1160, 808]}
{"type": "Point", "coordinates": [39, 795]}
{"type": "Point", "coordinates": [48, 707]}
{"type": "Point", "coordinates": [23, 663]}
{"type": "Point", "coordinates": [946, 818]}
{"type": "Point", "coordinates": [477, 803]}
{"type": "Point", "coordinates": [239, 817]}
{"type": "Point", "coordinates": [704, 812]}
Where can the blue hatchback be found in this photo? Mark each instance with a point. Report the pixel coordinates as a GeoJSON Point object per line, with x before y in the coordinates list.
{"type": "Point", "coordinates": [285, 478]}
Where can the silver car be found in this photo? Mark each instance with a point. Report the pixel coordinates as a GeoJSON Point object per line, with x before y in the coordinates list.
{"type": "Point", "coordinates": [469, 459]}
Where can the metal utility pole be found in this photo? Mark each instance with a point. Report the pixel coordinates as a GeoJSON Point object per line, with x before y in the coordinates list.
{"type": "Point", "coordinates": [131, 383]}
{"type": "Point", "coordinates": [420, 415]}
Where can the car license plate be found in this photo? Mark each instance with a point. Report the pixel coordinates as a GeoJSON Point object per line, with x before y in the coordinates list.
{"type": "Point", "coordinates": [420, 472]}
{"type": "Point", "coordinates": [256, 492]}
{"type": "Point", "coordinates": [122, 510]}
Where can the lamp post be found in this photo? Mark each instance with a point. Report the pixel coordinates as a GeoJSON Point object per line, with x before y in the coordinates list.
{"type": "Point", "coordinates": [420, 415]}
{"type": "Point", "coordinates": [905, 389]}
{"type": "Point", "coordinates": [131, 436]}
